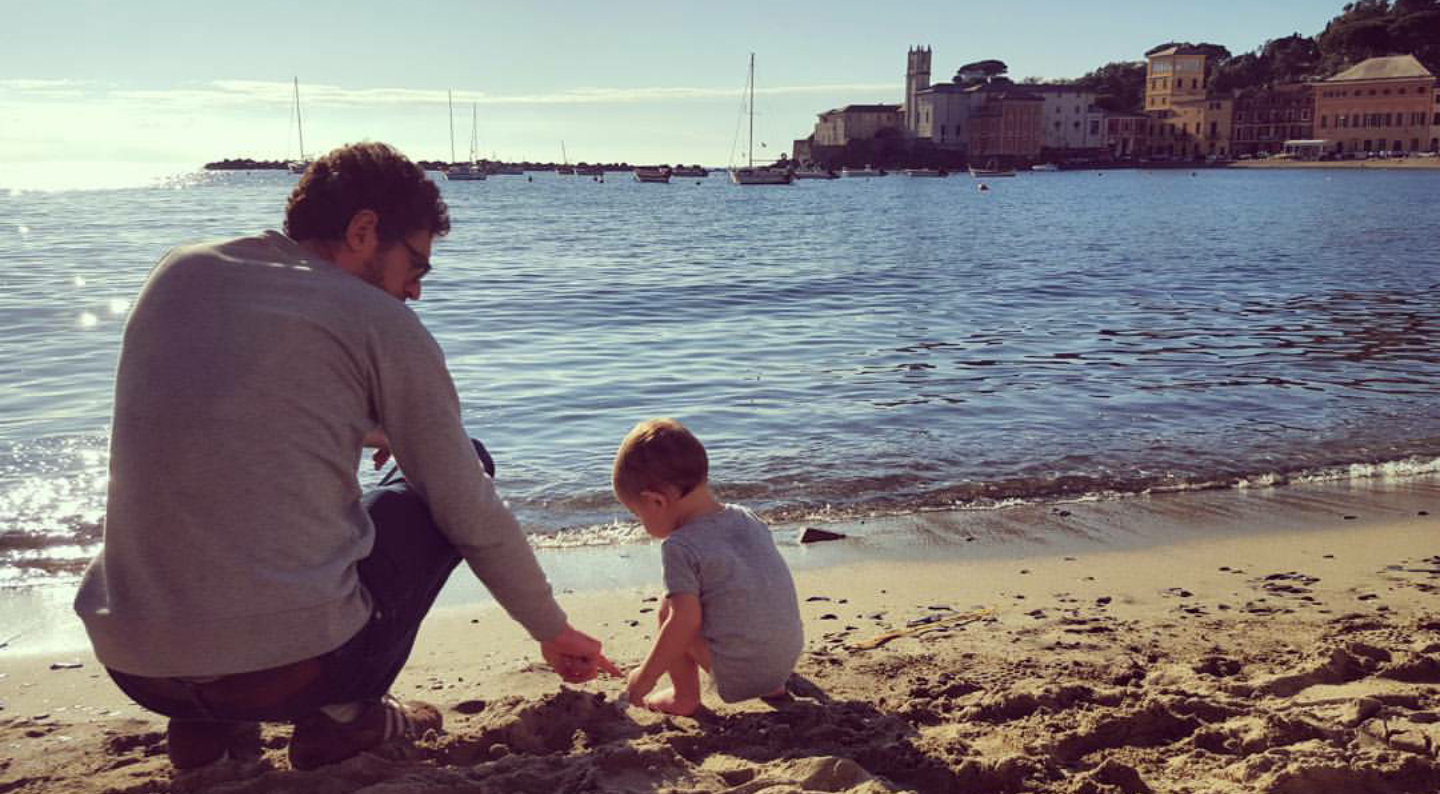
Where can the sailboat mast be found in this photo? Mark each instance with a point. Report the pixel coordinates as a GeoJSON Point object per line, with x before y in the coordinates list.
{"type": "Point", "coordinates": [450, 97]}
{"type": "Point", "coordinates": [299, 124]}
{"type": "Point", "coordinates": [474, 134]}
{"type": "Point", "coordinates": [752, 110]}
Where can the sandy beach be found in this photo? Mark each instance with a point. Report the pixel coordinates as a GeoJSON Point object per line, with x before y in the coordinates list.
{"type": "Point", "coordinates": [1280, 640]}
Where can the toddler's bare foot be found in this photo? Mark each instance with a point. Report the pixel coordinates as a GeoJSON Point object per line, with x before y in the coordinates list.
{"type": "Point", "coordinates": [668, 702]}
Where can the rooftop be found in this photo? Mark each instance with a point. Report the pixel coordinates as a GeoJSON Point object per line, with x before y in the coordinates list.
{"type": "Point", "coordinates": [1177, 50]}
{"type": "Point", "coordinates": [1392, 67]}
{"type": "Point", "coordinates": [864, 109]}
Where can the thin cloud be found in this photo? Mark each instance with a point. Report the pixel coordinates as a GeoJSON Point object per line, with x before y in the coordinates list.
{"type": "Point", "coordinates": [46, 89]}
{"type": "Point", "coordinates": [245, 92]}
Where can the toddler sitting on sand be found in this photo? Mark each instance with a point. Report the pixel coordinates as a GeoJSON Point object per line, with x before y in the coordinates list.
{"type": "Point", "coordinates": [730, 604]}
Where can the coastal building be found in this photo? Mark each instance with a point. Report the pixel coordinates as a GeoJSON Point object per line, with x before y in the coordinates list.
{"type": "Point", "coordinates": [1070, 121]}
{"type": "Point", "coordinates": [1126, 134]}
{"type": "Point", "coordinates": [1435, 125]}
{"type": "Point", "coordinates": [1379, 105]}
{"type": "Point", "coordinates": [942, 116]}
{"type": "Point", "coordinates": [857, 123]}
{"type": "Point", "coordinates": [1186, 122]}
{"type": "Point", "coordinates": [1265, 118]}
{"type": "Point", "coordinates": [1005, 122]}
{"type": "Point", "coordinates": [917, 79]}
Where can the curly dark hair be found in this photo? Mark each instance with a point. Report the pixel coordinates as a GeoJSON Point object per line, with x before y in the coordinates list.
{"type": "Point", "coordinates": [361, 176]}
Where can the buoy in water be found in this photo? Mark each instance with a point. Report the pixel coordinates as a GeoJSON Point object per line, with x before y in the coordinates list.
{"type": "Point", "coordinates": [982, 187]}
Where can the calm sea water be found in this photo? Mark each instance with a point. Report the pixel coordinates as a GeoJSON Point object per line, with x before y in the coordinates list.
{"type": "Point", "coordinates": [842, 347]}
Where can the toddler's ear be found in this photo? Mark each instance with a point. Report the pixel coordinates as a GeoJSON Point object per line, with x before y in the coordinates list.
{"type": "Point", "coordinates": [657, 499]}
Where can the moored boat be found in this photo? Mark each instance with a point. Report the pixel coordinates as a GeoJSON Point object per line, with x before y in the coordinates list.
{"type": "Point", "coordinates": [1045, 167]}
{"type": "Point", "coordinates": [299, 166]}
{"type": "Point", "coordinates": [926, 172]}
{"type": "Point", "coordinates": [990, 169]}
{"type": "Point", "coordinates": [867, 172]}
{"type": "Point", "coordinates": [689, 170]}
{"type": "Point", "coordinates": [816, 173]}
{"type": "Point", "coordinates": [751, 174]}
{"type": "Point", "coordinates": [761, 175]}
{"type": "Point", "coordinates": [464, 172]}
{"type": "Point", "coordinates": [652, 174]}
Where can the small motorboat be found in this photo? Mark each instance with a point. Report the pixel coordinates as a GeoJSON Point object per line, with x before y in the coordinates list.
{"type": "Point", "coordinates": [652, 174]}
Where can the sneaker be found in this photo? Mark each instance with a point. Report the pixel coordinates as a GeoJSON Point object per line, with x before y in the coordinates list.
{"type": "Point", "coordinates": [191, 744]}
{"type": "Point", "coordinates": [319, 740]}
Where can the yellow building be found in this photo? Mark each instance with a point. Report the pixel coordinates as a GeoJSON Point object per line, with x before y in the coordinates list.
{"type": "Point", "coordinates": [1185, 121]}
{"type": "Point", "coordinates": [1380, 105]}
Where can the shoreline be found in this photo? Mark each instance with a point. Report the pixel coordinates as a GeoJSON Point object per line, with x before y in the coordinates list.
{"type": "Point", "coordinates": [1278, 640]}
{"type": "Point", "coordinates": [1406, 163]}
{"type": "Point", "coordinates": [975, 533]}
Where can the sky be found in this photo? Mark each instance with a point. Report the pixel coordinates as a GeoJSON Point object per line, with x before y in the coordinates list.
{"type": "Point", "coordinates": [139, 88]}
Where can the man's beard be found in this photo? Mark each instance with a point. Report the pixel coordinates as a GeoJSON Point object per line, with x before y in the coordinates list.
{"type": "Point", "coordinates": [373, 271]}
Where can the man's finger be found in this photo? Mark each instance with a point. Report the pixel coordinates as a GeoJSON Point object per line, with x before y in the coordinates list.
{"type": "Point", "coordinates": [608, 666]}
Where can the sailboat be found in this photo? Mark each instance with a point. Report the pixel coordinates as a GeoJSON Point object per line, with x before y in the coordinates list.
{"type": "Point", "coordinates": [750, 174]}
{"type": "Point", "coordinates": [463, 172]}
{"type": "Point", "coordinates": [565, 169]}
{"type": "Point", "coordinates": [299, 166]}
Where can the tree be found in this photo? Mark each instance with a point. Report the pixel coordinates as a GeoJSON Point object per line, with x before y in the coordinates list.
{"type": "Point", "coordinates": [989, 68]}
{"type": "Point", "coordinates": [1119, 86]}
{"type": "Point", "coordinates": [1291, 59]}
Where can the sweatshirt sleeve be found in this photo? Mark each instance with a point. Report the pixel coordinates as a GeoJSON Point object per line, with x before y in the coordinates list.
{"type": "Point", "coordinates": [416, 403]}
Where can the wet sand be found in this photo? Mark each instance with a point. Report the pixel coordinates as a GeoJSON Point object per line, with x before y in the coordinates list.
{"type": "Point", "coordinates": [1273, 640]}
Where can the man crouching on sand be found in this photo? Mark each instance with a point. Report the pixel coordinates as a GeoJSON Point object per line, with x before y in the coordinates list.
{"type": "Point", "coordinates": [244, 576]}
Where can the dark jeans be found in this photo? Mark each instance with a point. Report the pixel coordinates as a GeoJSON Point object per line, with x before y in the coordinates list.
{"type": "Point", "coordinates": [404, 573]}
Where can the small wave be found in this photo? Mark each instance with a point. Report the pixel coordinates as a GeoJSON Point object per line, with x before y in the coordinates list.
{"type": "Point", "coordinates": [36, 558]}
{"type": "Point", "coordinates": [1021, 492]}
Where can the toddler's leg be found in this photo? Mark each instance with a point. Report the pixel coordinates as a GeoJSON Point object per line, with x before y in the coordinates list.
{"type": "Point", "coordinates": [683, 695]}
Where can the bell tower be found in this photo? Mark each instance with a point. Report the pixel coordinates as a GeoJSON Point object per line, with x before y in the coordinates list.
{"type": "Point", "coordinates": [917, 79]}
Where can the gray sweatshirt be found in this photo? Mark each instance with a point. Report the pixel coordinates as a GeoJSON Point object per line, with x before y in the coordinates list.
{"type": "Point", "coordinates": [249, 374]}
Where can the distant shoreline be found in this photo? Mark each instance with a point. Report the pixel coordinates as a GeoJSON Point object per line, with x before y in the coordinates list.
{"type": "Point", "coordinates": [1395, 163]}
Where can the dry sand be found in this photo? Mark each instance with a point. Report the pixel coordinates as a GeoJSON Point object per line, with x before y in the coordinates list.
{"type": "Point", "coordinates": [1282, 641]}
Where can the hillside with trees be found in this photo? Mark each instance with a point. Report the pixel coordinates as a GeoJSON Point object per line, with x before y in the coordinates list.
{"type": "Point", "coordinates": [1363, 29]}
